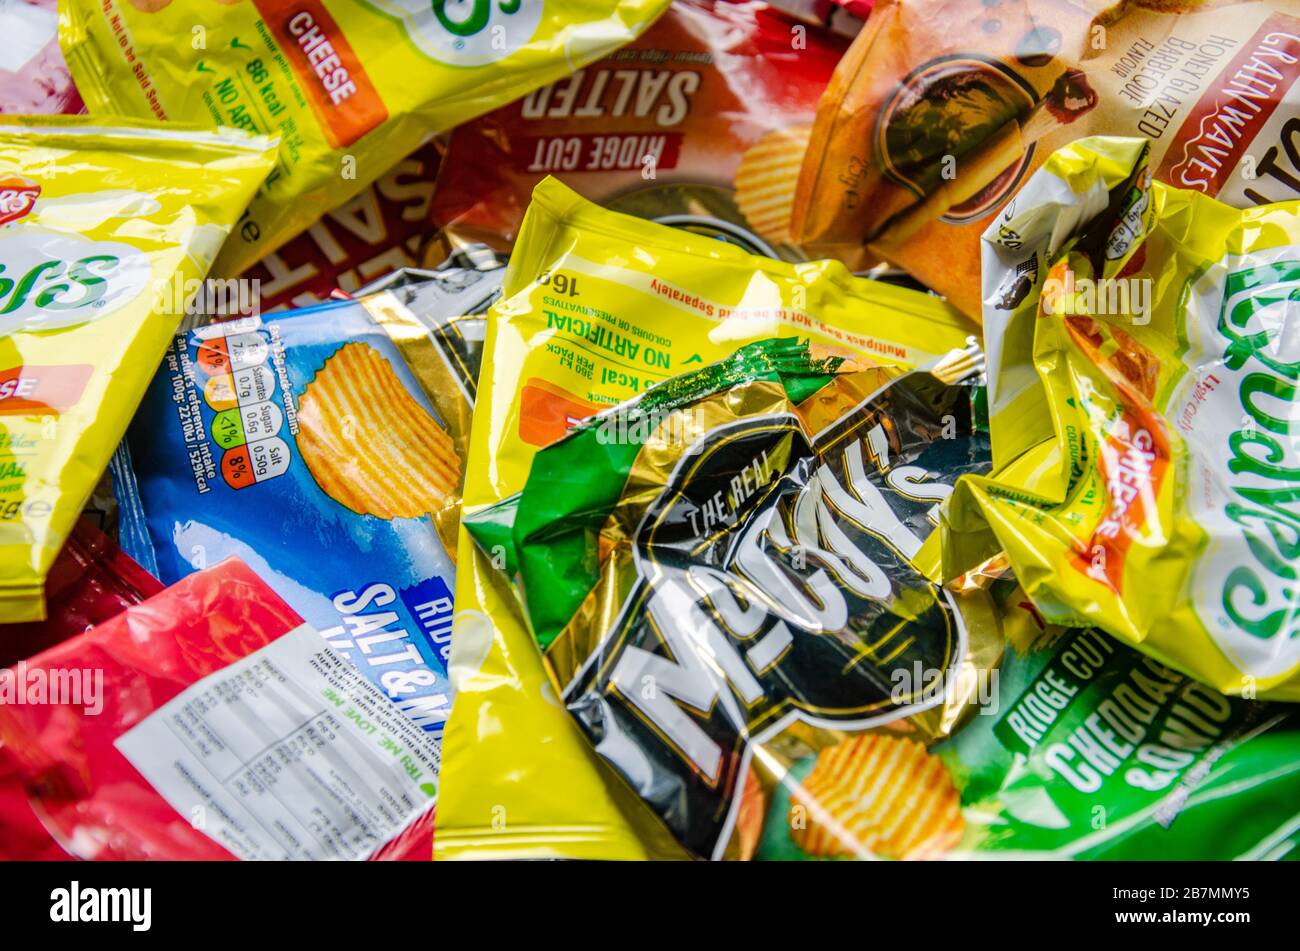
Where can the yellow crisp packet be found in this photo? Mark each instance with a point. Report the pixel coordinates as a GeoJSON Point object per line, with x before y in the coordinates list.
{"type": "Point", "coordinates": [597, 307]}
{"type": "Point", "coordinates": [351, 87]}
{"type": "Point", "coordinates": [1144, 349]}
{"type": "Point", "coordinates": [99, 227]}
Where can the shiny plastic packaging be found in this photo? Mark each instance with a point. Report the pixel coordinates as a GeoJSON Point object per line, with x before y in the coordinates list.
{"type": "Point", "coordinates": [1144, 344]}
{"type": "Point", "coordinates": [1081, 748]}
{"type": "Point", "coordinates": [91, 581]}
{"type": "Point", "coordinates": [379, 230]}
{"type": "Point", "coordinates": [701, 122]}
{"type": "Point", "coordinates": [942, 109]}
{"type": "Point", "coordinates": [303, 758]}
{"type": "Point", "coordinates": [105, 228]}
{"type": "Point", "coordinates": [724, 576]}
{"type": "Point", "coordinates": [598, 307]}
{"type": "Point", "coordinates": [1088, 749]}
{"type": "Point", "coordinates": [351, 88]}
{"type": "Point", "coordinates": [324, 447]}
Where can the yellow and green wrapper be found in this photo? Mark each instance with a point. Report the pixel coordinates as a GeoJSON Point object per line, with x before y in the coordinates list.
{"type": "Point", "coordinates": [1144, 353]}
{"type": "Point", "coordinates": [106, 228]}
{"type": "Point", "coordinates": [598, 307]}
{"type": "Point", "coordinates": [351, 87]}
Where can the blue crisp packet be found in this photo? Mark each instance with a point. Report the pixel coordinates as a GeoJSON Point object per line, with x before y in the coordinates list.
{"type": "Point", "coordinates": [325, 448]}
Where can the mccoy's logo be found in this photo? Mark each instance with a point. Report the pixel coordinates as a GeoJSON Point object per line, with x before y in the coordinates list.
{"type": "Point", "coordinates": [49, 281]}
{"type": "Point", "coordinates": [17, 196]}
{"type": "Point", "coordinates": [467, 32]}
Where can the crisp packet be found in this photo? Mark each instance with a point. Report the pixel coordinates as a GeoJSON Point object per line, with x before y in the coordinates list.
{"type": "Point", "coordinates": [596, 308]}
{"type": "Point", "coordinates": [844, 16]}
{"type": "Point", "coordinates": [942, 109]}
{"type": "Point", "coordinates": [91, 581]}
{"type": "Point", "coordinates": [379, 230]}
{"type": "Point", "coordinates": [1143, 352]}
{"type": "Point", "coordinates": [723, 571]}
{"type": "Point", "coordinates": [103, 228]}
{"type": "Point", "coordinates": [210, 722]}
{"type": "Point", "coordinates": [324, 447]}
{"type": "Point", "coordinates": [700, 122]}
{"type": "Point", "coordinates": [1083, 748]}
{"type": "Point", "coordinates": [351, 88]}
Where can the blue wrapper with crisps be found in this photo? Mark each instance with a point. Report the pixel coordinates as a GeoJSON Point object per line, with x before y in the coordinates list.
{"type": "Point", "coordinates": [324, 447]}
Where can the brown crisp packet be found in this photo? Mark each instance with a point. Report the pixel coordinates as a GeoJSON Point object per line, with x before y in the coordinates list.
{"type": "Point", "coordinates": [942, 109]}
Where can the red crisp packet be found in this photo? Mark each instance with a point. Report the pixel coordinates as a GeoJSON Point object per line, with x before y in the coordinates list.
{"type": "Point", "coordinates": [34, 79]}
{"type": "Point", "coordinates": [845, 16]}
{"type": "Point", "coordinates": [378, 232]}
{"type": "Point", "coordinates": [700, 123]}
{"type": "Point", "coordinates": [92, 581]}
{"type": "Point", "coordinates": [210, 723]}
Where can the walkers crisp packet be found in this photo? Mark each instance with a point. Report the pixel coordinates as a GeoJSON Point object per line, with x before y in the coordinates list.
{"type": "Point", "coordinates": [99, 221]}
{"type": "Point", "coordinates": [1144, 345]}
{"type": "Point", "coordinates": [351, 88]}
{"type": "Point", "coordinates": [324, 447]}
{"type": "Point", "coordinates": [598, 307]}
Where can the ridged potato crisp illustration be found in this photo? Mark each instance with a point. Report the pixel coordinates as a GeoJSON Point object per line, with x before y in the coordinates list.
{"type": "Point", "coordinates": [766, 180]}
{"type": "Point", "coordinates": [879, 795]}
{"type": "Point", "coordinates": [369, 444]}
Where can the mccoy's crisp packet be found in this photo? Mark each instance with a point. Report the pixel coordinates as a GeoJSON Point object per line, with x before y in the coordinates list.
{"type": "Point", "coordinates": [942, 109]}
{"type": "Point", "coordinates": [324, 447]}
{"type": "Point", "coordinates": [1082, 748]}
{"type": "Point", "coordinates": [299, 757]}
{"type": "Point", "coordinates": [1144, 346]}
{"type": "Point", "coordinates": [100, 222]}
{"type": "Point", "coordinates": [352, 88]}
{"type": "Point", "coordinates": [598, 307]}
{"type": "Point", "coordinates": [723, 573]}
{"type": "Point", "coordinates": [701, 122]}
